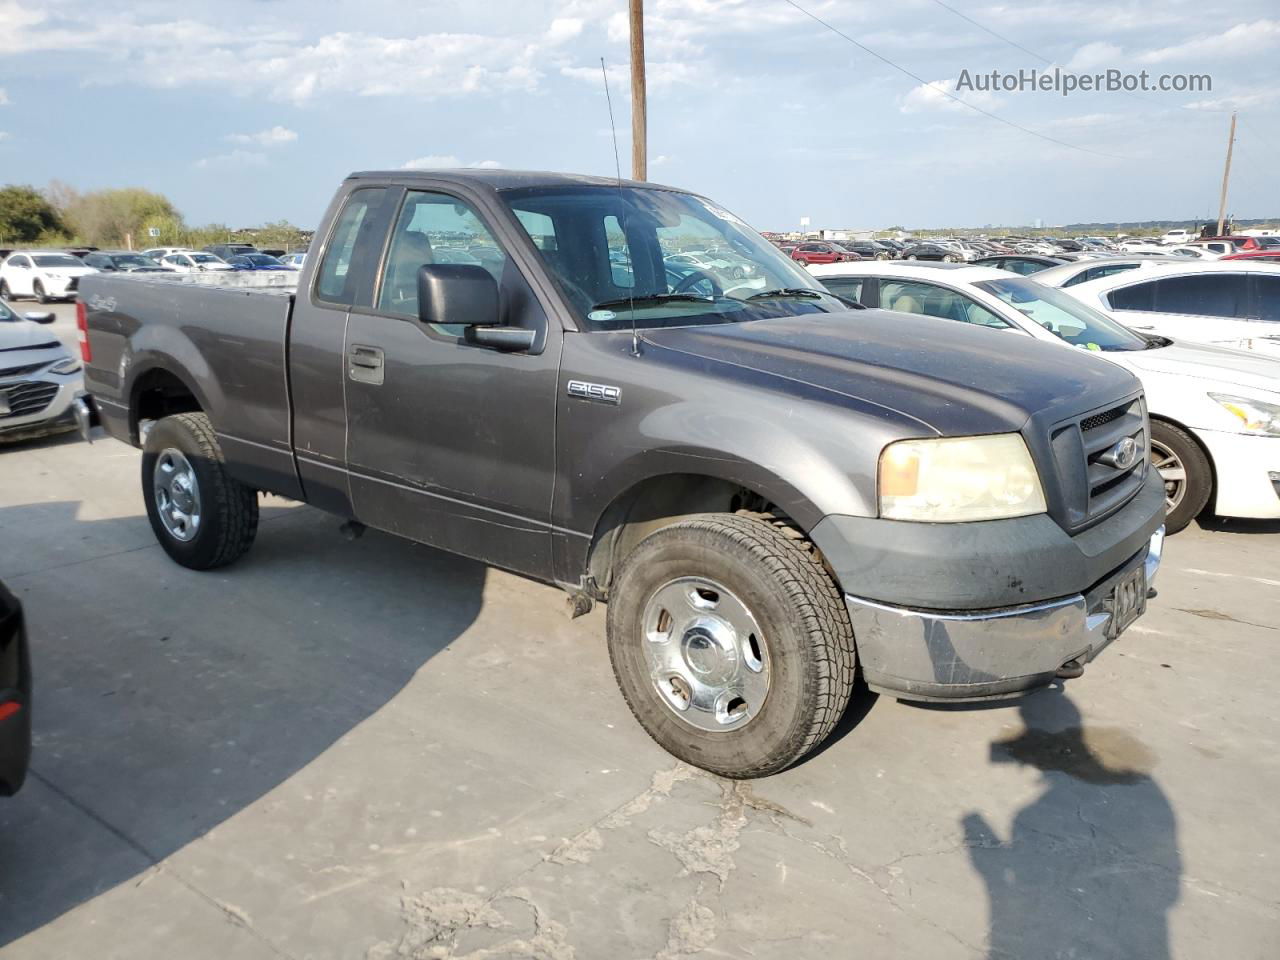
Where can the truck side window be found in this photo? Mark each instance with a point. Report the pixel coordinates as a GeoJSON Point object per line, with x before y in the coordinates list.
{"type": "Point", "coordinates": [434, 228]}
{"type": "Point", "coordinates": [352, 235]}
{"type": "Point", "coordinates": [1268, 297]}
{"type": "Point", "coordinates": [1204, 294]}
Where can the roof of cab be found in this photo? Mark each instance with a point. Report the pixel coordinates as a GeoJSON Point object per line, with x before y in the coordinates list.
{"type": "Point", "coordinates": [500, 179]}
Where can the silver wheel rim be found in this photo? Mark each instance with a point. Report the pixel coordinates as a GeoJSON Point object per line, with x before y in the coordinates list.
{"type": "Point", "coordinates": [177, 495]}
{"type": "Point", "coordinates": [1172, 471]}
{"type": "Point", "coordinates": [706, 654]}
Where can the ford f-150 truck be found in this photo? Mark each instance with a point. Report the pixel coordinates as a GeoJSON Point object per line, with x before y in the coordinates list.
{"type": "Point", "coordinates": [771, 488]}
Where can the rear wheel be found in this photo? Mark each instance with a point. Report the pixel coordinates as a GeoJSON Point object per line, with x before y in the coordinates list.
{"type": "Point", "coordinates": [202, 516]}
{"type": "Point", "coordinates": [731, 643]}
{"type": "Point", "coordinates": [1185, 470]}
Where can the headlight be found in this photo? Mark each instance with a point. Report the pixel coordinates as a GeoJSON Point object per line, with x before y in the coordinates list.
{"type": "Point", "coordinates": [1254, 415]}
{"type": "Point", "coordinates": [955, 479]}
{"type": "Point", "coordinates": [66, 365]}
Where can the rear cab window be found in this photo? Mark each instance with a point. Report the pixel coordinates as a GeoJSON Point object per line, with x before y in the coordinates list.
{"type": "Point", "coordinates": [346, 273]}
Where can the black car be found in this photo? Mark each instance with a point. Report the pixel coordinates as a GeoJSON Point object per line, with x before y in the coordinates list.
{"type": "Point", "coordinates": [1023, 263]}
{"type": "Point", "coordinates": [122, 261]}
{"type": "Point", "coordinates": [932, 251]}
{"type": "Point", "coordinates": [15, 695]}
{"type": "Point", "coordinates": [228, 250]}
{"type": "Point", "coordinates": [868, 249]}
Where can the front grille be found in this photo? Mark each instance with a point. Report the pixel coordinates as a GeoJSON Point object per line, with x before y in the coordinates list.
{"type": "Point", "coordinates": [1093, 485]}
{"type": "Point", "coordinates": [25, 368]}
{"type": "Point", "coordinates": [73, 283]}
{"type": "Point", "coordinates": [28, 397]}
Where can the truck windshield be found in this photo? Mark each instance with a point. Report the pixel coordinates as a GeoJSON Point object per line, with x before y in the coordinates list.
{"type": "Point", "coordinates": [660, 258]}
{"type": "Point", "coordinates": [1065, 316]}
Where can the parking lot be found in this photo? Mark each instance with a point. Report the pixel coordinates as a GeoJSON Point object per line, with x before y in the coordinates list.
{"type": "Point", "coordinates": [341, 749]}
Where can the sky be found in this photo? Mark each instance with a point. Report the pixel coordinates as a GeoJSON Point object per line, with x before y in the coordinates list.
{"type": "Point", "coordinates": [247, 111]}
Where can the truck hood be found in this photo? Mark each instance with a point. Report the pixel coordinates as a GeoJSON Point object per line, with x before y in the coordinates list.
{"type": "Point", "coordinates": [1205, 362]}
{"type": "Point", "coordinates": [21, 335]}
{"type": "Point", "coordinates": [953, 378]}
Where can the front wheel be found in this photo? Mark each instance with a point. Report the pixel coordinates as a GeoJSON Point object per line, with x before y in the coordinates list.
{"type": "Point", "coordinates": [202, 516]}
{"type": "Point", "coordinates": [913, 257]}
{"type": "Point", "coordinates": [731, 643]}
{"type": "Point", "coordinates": [1185, 470]}
{"type": "Point", "coordinates": [38, 290]}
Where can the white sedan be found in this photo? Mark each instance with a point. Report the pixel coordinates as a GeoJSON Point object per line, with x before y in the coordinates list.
{"type": "Point", "coordinates": [1230, 303]}
{"type": "Point", "coordinates": [195, 261]}
{"type": "Point", "coordinates": [43, 274]}
{"type": "Point", "coordinates": [1215, 413]}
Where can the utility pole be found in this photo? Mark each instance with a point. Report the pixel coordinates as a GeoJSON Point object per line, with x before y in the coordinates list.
{"type": "Point", "coordinates": [1226, 175]}
{"type": "Point", "coordinates": [639, 120]}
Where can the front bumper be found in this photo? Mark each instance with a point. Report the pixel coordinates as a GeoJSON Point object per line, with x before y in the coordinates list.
{"type": "Point", "coordinates": [61, 288]}
{"type": "Point", "coordinates": [1246, 474]}
{"type": "Point", "coordinates": [987, 654]}
{"type": "Point", "coordinates": [23, 420]}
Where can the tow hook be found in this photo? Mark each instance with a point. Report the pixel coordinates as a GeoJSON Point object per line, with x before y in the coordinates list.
{"type": "Point", "coordinates": [1070, 670]}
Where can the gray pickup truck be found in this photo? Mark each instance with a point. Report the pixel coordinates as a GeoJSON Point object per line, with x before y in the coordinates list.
{"type": "Point", "coordinates": [622, 389]}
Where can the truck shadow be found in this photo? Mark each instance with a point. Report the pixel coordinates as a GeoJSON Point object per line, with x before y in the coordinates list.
{"type": "Point", "coordinates": [168, 700]}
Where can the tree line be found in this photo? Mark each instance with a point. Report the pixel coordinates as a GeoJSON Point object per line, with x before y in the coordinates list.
{"type": "Point", "coordinates": [61, 216]}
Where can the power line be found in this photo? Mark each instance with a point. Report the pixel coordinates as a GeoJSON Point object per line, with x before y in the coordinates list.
{"type": "Point", "coordinates": [903, 70]}
{"type": "Point", "coordinates": [1012, 43]}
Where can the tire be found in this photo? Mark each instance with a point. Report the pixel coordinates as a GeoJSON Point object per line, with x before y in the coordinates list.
{"type": "Point", "coordinates": [225, 518]}
{"type": "Point", "coordinates": [5, 292]}
{"type": "Point", "coordinates": [37, 290]}
{"type": "Point", "coordinates": [1174, 452]}
{"type": "Point", "coordinates": [804, 648]}
{"type": "Point", "coordinates": [913, 257]}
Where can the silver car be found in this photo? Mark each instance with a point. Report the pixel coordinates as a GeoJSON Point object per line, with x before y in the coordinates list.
{"type": "Point", "coordinates": [40, 380]}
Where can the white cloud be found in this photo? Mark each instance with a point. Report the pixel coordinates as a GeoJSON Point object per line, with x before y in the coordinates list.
{"type": "Point", "coordinates": [1092, 55]}
{"type": "Point", "coordinates": [563, 29]}
{"type": "Point", "coordinates": [446, 161]}
{"type": "Point", "coordinates": [273, 137]}
{"type": "Point", "coordinates": [235, 160]}
{"type": "Point", "coordinates": [934, 96]}
{"type": "Point", "coordinates": [1240, 100]}
{"type": "Point", "coordinates": [4, 135]}
{"type": "Point", "coordinates": [1241, 40]}
{"type": "Point", "coordinates": [4, 98]}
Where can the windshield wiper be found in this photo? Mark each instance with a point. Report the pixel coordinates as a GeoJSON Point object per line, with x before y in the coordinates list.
{"type": "Point", "coordinates": [781, 292]}
{"type": "Point", "coordinates": [654, 298]}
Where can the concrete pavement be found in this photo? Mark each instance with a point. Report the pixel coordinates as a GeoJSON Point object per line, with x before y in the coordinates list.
{"type": "Point", "coordinates": [372, 749]}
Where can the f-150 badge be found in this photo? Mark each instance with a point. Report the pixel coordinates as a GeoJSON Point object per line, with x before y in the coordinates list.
{"type": "Point", "coordinates": [595, 391]}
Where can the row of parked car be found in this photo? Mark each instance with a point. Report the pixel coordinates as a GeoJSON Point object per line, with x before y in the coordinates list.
{"type": "Point", "coordinates": [47, 275]}
{"type": "Point", "coordinates": [969, 250]}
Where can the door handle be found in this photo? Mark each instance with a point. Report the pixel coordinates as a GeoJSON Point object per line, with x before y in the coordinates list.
{"type": "Point", "coordinates": [365, 364]}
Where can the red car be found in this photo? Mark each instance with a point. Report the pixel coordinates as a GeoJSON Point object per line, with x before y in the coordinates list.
{"type": "Point", "coordinates": [808, 253]}
{"type": "Point", "coordinates": [1265, 255]}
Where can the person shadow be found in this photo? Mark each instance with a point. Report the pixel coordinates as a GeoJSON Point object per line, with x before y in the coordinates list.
{"type": "Point", "coordinates": [1091, 867]}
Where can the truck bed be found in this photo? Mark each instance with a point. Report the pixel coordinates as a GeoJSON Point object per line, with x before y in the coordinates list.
{"type": "Point", "coordinates": [228, 331]}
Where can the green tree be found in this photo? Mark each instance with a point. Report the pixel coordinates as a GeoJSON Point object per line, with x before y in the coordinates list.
{"type": "Point", "coordinates": [112, 218]}
{"type": "Point", "coordinates": [26, 216]}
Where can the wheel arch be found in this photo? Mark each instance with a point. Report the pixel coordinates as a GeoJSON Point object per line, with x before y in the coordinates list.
{"type": "Point", "coordinates": [158, 392]}
{"type": "Point", "coordinates": [659, 500]}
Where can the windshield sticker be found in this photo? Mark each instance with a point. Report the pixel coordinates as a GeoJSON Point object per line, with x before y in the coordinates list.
{"type": "Point", "coordinates": [721, 213]}
{"type": "Point", "coordinates": [601, 316]}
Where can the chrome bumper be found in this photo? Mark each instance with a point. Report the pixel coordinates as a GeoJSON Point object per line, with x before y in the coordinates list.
{"type": "Point", "coordinates": [986, 654]}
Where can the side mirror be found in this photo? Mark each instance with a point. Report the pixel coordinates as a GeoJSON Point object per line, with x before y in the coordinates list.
{"type": "Point", "coordinates": [39, 317]}
{"type": "Point", "coordinates": [463, 293]}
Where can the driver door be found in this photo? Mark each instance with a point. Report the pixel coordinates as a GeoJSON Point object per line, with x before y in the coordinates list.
{"type": "Point", "coordinates": [448, 442]}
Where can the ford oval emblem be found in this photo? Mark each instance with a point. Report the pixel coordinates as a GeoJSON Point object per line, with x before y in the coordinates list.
{"type": "Point", "coordinates": [1123, 455]}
